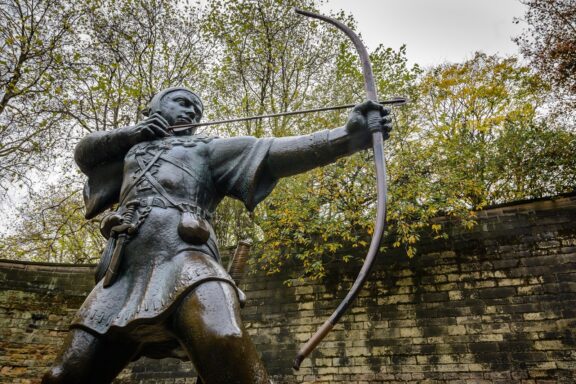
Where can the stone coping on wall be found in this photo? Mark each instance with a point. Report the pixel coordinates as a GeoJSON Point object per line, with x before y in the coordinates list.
{"type": "Point", "coordinates": [35, 266]}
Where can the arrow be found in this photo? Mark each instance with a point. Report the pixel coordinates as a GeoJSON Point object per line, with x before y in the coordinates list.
{"type": "Point", "coordinates": [395, 100]}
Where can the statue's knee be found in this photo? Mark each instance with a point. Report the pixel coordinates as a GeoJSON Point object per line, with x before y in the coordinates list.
{"type": "Point", "coordinates": [231, 340]}
{"type": "Point", "coordinates": [60, 375]}
{"type": "Point", "coordinates": [232, 335]}
{"type": "Point", "coordinates": [54, 376]}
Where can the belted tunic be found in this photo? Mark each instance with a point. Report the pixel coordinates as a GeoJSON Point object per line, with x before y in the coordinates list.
{"type": "Point", "coordinates": [158, 267]}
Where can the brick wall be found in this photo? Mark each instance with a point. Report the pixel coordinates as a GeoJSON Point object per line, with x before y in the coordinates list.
{"type": "Point", "coordinates": [37, 302]}
{"type": "Point", "coordinates": [493, 305]}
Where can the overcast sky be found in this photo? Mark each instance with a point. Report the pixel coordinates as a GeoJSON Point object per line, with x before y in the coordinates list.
{"type": "Point", "coordinates": [435, 31]}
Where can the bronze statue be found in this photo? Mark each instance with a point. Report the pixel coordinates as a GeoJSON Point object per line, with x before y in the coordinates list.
{"type": "Point", "coordinates": [161, 290]}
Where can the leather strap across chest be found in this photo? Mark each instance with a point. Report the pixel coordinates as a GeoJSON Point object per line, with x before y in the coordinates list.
{"type": "Point", "coordinates": [143, 170]}
{"type": "Point", "coordinates": [182, 206]}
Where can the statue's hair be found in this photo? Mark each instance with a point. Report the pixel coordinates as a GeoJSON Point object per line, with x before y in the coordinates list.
{"type": "Point", "coordinates": [155, 103]}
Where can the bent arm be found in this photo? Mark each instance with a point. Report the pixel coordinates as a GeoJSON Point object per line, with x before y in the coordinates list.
{"type": "Point", "coordinates": [292, 155]}
{"type": "Point", "coordinates": [100, 147]}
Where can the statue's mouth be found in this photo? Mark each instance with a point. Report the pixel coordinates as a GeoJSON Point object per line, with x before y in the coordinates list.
{"type": "Point", "coordinates": [181, 120]}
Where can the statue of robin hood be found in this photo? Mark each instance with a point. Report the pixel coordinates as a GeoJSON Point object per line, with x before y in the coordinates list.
{"type": "Point", "coordinates": [161, 290]}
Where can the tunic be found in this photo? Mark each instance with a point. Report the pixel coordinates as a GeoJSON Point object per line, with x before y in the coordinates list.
{"type": "Point", "coordinates": [158, 267]}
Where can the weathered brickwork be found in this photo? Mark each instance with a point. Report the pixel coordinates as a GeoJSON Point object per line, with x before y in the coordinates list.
{"type": "Point", "coordinates": [493, 305]}
{"type": "Point", "coordinates": [37, 302]}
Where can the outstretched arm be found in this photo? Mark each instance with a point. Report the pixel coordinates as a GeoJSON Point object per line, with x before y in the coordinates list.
{"type": "Point", "coordinates": [292, 155]}
{"type": "Point", "coordinates": [108, 146]}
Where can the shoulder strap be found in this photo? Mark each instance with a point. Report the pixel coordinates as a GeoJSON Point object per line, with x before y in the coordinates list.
{"type": "Point", "coordinates": [160, 189]}
{"type": "Point", "coordinates": [143, 171]}
{"type": "Point", "coordinates": [179, 164]}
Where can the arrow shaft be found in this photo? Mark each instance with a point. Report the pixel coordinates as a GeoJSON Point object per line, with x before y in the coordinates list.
{"type": "Point", "coordinates": [396, 100]}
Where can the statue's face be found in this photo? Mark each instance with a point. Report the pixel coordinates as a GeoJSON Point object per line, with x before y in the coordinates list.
{"type": "Point", "coordinates": [180, 107]}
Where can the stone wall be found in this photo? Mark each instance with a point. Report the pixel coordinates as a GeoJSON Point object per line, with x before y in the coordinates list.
{"type": "Point", "coordinates": [37, 302]}
{"type": "Point", "coordinates": [493, 305]}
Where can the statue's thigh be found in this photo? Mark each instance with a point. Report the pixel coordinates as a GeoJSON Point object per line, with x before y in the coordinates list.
{"type": "Point", "coordinates": [88, 359]}
{"type": "Point", "coordinates": [208, 324]}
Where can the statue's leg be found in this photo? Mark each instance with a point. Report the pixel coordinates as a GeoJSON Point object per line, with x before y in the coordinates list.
{"type": "Point", "coordinates": [208, 324]}
{"type": "Point", "coordinates": [87, 359]}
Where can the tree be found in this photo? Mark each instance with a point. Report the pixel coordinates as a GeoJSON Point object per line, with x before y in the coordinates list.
{"type": "Point", "coordinates": [326, 217]}
{"type": "Point", "coordinates": [123, 53]}
{"type": "Point", "coordinates": [129, 51]}
{"type": "Point", "coordinates": [481, 140]}
{"type": "Point", "coordinates": [550, 43]}
{"type": "Point", "coordinates": [478, 112]}
{"type": "Point", "coordinates": [269, 60]}
{"type": "Point", "coordinates": [35, 37]}
{"type": "Point", "coordinates": [473, 134]}
{"type": "Point", "coordinates": [53, 228]}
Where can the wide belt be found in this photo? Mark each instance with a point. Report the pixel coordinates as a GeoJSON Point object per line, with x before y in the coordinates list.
{"type": "Point", "coordinates": [135, 212]}
{"type": "Point", "coordinates": [188, 206]}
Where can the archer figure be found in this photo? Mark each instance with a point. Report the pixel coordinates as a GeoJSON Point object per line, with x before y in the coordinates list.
{"type": "Point", "coordinates": [161, 289]}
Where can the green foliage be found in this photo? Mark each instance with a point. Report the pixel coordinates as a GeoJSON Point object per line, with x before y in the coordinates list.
{"type": "Point", "coordinates": [319, 218]}
{"type": "Point", "coordinates": [327, 216]}
{"type": "Point", "coordinates": [127, 51]}
{"type": "Point", "coordinates": [474, 133]}
{"type": "Point", "coordinates": [34, 37]}
{"type": "Point", "coordinates": [270, 60]}
{"type": "Point", "coordinates": [471, 114]}
{"type": "Point", "coordinates": [478, 141]}
{"type": "Point", "coordinates": [51, 227]}
{"type": "Point", "coordinates": [470, 138]}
